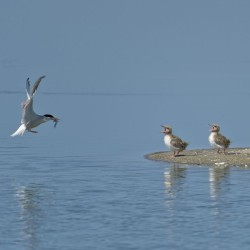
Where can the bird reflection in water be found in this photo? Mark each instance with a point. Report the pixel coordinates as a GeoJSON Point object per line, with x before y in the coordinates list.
{"type": "Point", "coordinates": [29, 199]}
{"type": "Point", "coordinates": [173, 181]}
{"type": "Point", "coordinates": [216, 175]}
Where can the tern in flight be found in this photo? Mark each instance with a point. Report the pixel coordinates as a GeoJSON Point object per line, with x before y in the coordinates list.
{"type": "Point", "coordinates": [30, 119]}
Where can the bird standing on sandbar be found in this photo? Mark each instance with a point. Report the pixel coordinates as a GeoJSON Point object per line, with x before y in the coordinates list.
{"type": "Point", "coordinates": [30, 119]}
{"type": "Point", "coordinates": [173, 142]}
{"type": "Point", "coordinates": [218, 140]}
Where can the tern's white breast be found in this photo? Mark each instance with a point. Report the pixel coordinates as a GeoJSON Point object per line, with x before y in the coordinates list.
{"type": "Point", "coordinates": [211, 139]}
{"type": "Point", "coordinates": [167, 141]}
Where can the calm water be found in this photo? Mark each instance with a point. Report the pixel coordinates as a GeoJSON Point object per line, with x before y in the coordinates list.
{"type": "Point", "coordinates": [86, 184]}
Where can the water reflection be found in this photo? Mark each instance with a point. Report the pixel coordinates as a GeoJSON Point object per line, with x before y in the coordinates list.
{"type": "Point", "coordinates": [216, 175]}
{"type": "Point", "coordinates": [173, 179]}
{"type": "Point", "coordinates": [31, 215]}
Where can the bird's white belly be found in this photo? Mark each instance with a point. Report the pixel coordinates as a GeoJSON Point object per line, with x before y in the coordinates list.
{"type": "Point", "coordinates": [167, 141]}
{"type": "Point", "coordinates": [211, 139]}
{"type": "Point", "coordinates": [34, 122]}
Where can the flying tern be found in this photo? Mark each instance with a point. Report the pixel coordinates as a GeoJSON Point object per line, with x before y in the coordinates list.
{"type": "Point", "coordinates": [30, 119]}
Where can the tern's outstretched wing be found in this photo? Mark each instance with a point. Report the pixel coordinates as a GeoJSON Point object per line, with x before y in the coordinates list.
{"type": "Point", "coordinates": [28, 88]}
{"type": "Point", "coordinates": [28, 112]}
{"type": "Point", "coordinates": [36, 84]}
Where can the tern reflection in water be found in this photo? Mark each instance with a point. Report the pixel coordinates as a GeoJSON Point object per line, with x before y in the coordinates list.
{"type": "Point", "coordinates": [216, 175]}
{"type": "Point", "coordinates": [173, 179]}
{"type": "Point", "coordinates": [30, 199]}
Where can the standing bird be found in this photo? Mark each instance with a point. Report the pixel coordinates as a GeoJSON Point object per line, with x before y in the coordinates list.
{"type": "Point", "coordinates": [173, 142]}
{"type": "Point", "coordinates": [30, 119]}
{"type": "Point", "coordinates": [217, 140]}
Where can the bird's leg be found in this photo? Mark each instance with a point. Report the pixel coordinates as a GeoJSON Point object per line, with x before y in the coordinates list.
{"type": "Point", "coordinates": [32, 131]}
{"type": "Point", "coordinates": [176, 153]}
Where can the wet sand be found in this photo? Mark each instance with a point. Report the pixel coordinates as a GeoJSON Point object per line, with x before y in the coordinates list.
{"type": "Point", "coordinates": [209, 157]}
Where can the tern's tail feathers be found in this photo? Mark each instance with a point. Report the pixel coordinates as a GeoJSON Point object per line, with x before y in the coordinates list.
{"type": "Point", "coordinates": [20, 130]}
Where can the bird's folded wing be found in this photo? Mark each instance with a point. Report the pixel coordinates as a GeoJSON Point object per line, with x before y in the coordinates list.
{"type": "Point", "coordinates": [177, 142]}
{"type": "Point", "coordinates": [221, 140]}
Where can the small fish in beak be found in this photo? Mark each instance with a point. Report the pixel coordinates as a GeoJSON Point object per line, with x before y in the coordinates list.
{"type": "Point", "coordinates": [55, 120]}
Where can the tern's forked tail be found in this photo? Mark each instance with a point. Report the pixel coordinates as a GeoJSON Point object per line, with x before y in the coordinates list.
{"type": "Point", "coordinates": [20, 130]}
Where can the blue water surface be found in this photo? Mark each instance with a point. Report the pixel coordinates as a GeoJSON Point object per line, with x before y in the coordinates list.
{"type": "Point", "coordinates": [87, 185]}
